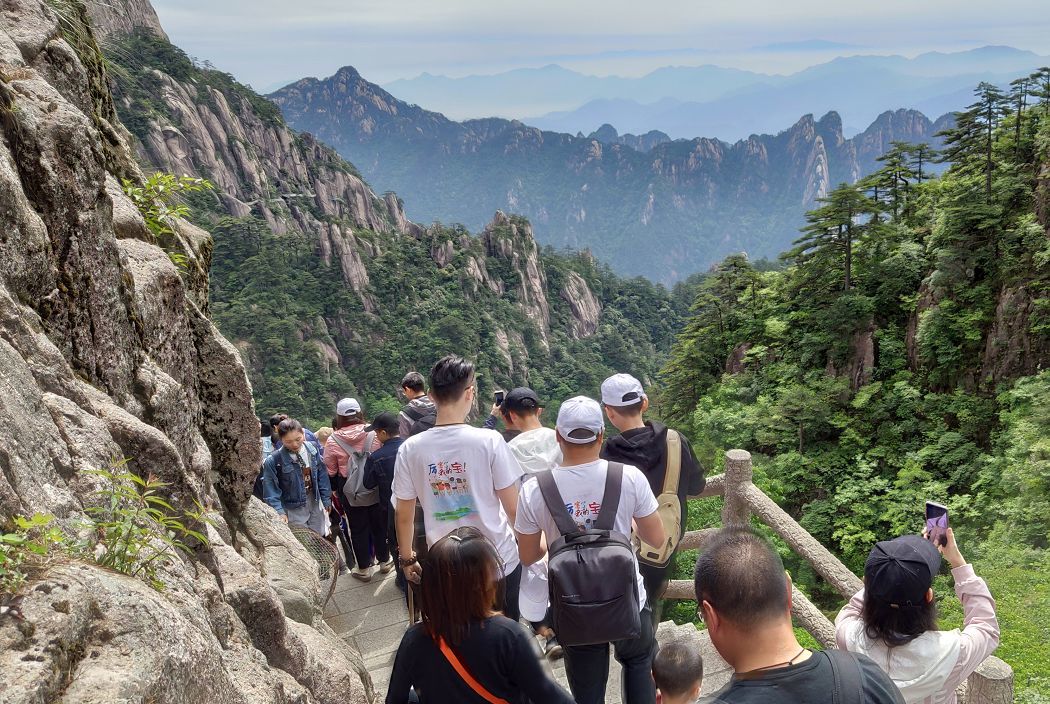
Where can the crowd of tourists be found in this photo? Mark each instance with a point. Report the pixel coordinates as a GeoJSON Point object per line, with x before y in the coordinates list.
{"type": "Point", "coordinates": [537, 543]}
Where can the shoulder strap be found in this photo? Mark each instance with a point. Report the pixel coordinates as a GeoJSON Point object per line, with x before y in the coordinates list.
{"type": "Point", "coordinates": [611, 499]}
{"type": "Point", "coordinates": [848, 685]}
{"type": "Point", "coordinates": [673, 466]}
{"type": "Point", "coordinates": [479, 689]}
{"type": "Point", "coordinates": [555, 503]}
{"type": "Point", "coordinates": [347, 447]}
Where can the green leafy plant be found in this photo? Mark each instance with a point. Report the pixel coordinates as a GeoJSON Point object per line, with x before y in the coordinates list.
{"type": "Point", "coordinates": [136, 531]}
{"type": "Point", "coordinates": [159, 200]}
{"type": "Point", "coordinates": [28, 547]}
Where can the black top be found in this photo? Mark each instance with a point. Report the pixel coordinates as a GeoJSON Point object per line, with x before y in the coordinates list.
{"type": "Point", "coordinates": [809, 681]}
{"type": "Point", "coordinates": [646, 449]}
{"type": "Point", "coordinates": [496, 652]}
{"type": "Point", "coordinates": [379, 470]}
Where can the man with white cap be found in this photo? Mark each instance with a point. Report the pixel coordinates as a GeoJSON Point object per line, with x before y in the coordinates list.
{"type": "Point", "coordinates": [581, 481]}
{"type": "Point", "coordinates": [647, 445]}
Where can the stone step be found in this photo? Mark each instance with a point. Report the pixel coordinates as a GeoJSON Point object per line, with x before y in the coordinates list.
{"type": "Point", "coordinates": [372, 616]}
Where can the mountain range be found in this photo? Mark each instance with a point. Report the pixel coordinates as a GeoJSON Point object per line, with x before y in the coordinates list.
{"type": "Point", "coordinates": [646, 205]}
{"type": "Point", "coordinates": [690, 101]}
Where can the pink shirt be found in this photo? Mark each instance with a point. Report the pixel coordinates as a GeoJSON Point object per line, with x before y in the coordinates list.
{"type": "Point", "coordinates": [336, 458]}
{"type": "Point", "coordinates": [931, 667]}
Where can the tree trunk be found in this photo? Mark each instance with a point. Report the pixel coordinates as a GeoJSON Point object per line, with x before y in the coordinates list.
{"type": "Point", "coordinates": [849, 255]}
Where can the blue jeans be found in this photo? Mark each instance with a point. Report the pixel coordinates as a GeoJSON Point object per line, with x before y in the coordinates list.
{"type": "Point", "coordinates": [587, 667]}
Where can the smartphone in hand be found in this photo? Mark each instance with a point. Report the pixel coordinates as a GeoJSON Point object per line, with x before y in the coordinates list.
{"type": "Point", "coordinates": [499, 396]}
{"type": "Point", "coordinates": [937, 523]}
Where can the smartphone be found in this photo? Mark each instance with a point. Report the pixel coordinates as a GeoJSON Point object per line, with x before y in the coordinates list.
{"type": "Point", "coordinates": [937, 523]}
{"type": "Point", "coordinates": [499, 395]}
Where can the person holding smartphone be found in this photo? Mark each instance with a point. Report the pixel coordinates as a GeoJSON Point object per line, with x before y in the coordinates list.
{"type": "Point", "coordinates": [893, 620]}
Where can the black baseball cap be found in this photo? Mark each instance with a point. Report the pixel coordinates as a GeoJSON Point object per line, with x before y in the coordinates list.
{"type": "Point", "coordinates": [384, 421]}
{"type": "Point", "coordinates": [900, 571]}
{"type": "Point", "coordinates": [520, 399]}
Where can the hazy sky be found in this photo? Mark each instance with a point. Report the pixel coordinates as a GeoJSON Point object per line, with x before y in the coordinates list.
{"type": "Point", "coordinates": [271, 42]}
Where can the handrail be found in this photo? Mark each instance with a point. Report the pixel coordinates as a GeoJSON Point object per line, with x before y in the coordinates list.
{"type": "Point", "coordinates": [992, 683]}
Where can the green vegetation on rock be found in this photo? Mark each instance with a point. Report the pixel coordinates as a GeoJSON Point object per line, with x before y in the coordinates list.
{"type": "Point", "coordinates": [901, 356]}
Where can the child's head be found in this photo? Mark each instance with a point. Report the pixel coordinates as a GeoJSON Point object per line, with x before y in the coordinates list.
{"type": "Point", "coordinates": [678, 671]}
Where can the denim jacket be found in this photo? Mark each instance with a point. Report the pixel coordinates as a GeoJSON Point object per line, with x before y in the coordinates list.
{"type": "Point", "coordinates": [284, 488]}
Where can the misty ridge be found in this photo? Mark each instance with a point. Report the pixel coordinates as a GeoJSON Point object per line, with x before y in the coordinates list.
{"type": "Point", "coordinates": [715, 101]}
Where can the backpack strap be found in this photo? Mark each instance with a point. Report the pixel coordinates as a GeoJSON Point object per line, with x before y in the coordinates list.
{"type": "Point", "coordinates": [555, 503]}
{"type": "Point", "coordinates": [673, 465]}
{"type": "Point", "coordinates": [347, 447]}
{"type": "Point", "coordinates": [848, 682]}
{"type": "Point", "coordinates": [479, 689]}
{"type": "Point", "coordinates": [611, 499]}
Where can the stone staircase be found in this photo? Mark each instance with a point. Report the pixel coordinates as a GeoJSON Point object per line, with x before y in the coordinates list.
{"type": "Point", "coordinates": [372, 617]}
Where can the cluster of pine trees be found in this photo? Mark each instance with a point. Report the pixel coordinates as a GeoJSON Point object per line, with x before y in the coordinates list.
{"type": "Point", "coordinates": [900, 354]}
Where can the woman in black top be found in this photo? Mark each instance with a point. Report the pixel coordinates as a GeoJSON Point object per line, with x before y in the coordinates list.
{"type": "Point", "coordinates": [459, 585]}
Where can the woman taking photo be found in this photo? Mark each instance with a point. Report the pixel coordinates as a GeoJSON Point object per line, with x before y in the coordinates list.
{"type": "Point", "coordinates": [464, 650]}
{"type": "Point", "coordinates": [893, 620]}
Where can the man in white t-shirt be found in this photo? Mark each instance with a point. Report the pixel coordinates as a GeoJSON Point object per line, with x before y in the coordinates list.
{"type": "Point", "coordinates": [461, 476]}
{"type": "Point", "coordinates": [581, 483]}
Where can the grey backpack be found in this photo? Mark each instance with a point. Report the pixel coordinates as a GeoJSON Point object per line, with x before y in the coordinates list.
{"type": "Point", "coordinates": [354, 490]}
{"type": "Point", "coordinates": [591, 573]}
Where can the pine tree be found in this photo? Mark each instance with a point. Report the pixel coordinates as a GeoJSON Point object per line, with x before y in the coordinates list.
{"type": "Point", "coordinates": [1041, 87]}
{"type": "Point", "coordinates": [1019, 89]}
{"type": "Point", "coordinates": [896, 175]}
{"type": "Point", "coordinates": [920, 154]}
{"type": "Point", "coordinates": [968, 145]}
{"type": "Point", "coordinates": [834, 229]}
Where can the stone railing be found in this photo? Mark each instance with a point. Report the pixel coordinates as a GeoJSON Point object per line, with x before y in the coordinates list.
{"type": "Point", "coordinates": [992, 683]}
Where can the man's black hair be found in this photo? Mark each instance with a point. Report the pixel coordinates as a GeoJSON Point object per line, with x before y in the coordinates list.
{"type": "Point", "coordinates": [678, 667]}
{"type": "Point", "coordinates": [414, 381]}
{"type": "Point", "coordinates": [265, 428]}
{"type": "Point", "coordinates": [633, 409]}
{"type": "Point", "coordinates": [450, 378]}
{"type": "Point", "coordinates": [742, 577]}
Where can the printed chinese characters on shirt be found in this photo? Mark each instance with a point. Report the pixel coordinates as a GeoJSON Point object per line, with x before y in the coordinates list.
{"type": "Point", "coordinates": [451, 490]}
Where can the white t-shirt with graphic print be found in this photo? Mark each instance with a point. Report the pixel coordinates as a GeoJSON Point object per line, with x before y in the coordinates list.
{"type": "Point", "coordinates": [455, 471]}
{"type": "Point", "coordinates": [582, 487]}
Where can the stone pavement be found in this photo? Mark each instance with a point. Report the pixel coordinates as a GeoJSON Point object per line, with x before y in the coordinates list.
{"type": "Point", "coordinates": [373, 617]}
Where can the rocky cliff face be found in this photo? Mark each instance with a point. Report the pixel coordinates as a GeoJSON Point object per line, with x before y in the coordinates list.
{"type": "Point", "coordinates": [289, 188]}
{"type": "Point", "coordinates": [107, 354]}
{"type": "Point", "coordinates": [204, 124]}
{"type": "Point", "coordinates": [116, 17]}
{"type": "Point", "coordinates": [512, 241]}
{"type": "Point", "coordinates": [691, 201]}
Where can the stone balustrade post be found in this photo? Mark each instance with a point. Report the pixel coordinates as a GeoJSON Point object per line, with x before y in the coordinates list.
{"type": "Point", "coordinates": [991, 683]}
{"type": "Point", "coordinates": [738, 477]}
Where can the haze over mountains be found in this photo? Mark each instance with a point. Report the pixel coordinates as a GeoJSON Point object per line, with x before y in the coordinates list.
{"type": "Point", "coordinates": [727, 103]}
{"type": "Point", "coordinates": [663, 209]}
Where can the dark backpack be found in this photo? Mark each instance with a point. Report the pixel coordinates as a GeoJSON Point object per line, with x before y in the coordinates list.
{"type": "Point", "coordinates": [422, 416]}
{"type": "Point", "coordinates": [591, 573]}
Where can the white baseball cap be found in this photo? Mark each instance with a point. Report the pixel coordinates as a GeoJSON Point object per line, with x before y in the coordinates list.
{"type": "Point", "coordinates": [622, 390]}
{"type": "Point", "coordinates": [580, 420]}
{"type": "Point", "coordinates": [347, 406]}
